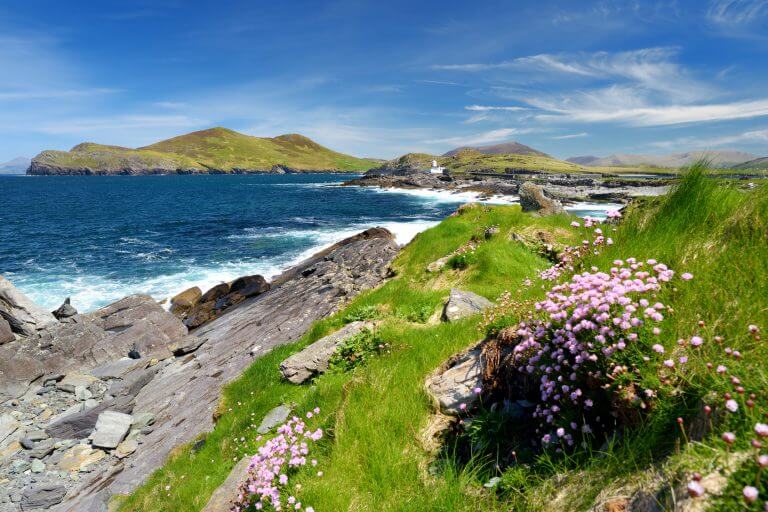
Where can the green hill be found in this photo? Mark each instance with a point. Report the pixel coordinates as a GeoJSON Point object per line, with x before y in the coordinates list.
{"type": "Point", "coordinates": [218, 150]}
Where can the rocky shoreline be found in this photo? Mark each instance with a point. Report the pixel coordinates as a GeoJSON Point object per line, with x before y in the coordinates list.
{"type": "Point", "coordinates": [44, 169]}
{"type": "Point", "coordinates": [93, 403]}
{"type": "Point", "coordinates": [564, 187]}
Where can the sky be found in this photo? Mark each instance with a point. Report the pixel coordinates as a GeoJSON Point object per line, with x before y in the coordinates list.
{"type": "Point", "coordinates": [383, 78]}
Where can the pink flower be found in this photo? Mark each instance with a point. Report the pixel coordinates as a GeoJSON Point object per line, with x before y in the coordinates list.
{"type": "Point", "coordinates": [695, 490]}
{"type": "Point", "coordinates": [729, 437]}
{"type": "Point", "coordinates": [750, 494]}
{"type": "Point", "coordinates": [575, 224]}
{"type": "Point", "coordinates": [478, 390]}
{"type": "Point", "coordinates": [753, 328]}
{"type": "Point", "coordinates": [463, 406]}
{"type": "Point", "coordinates": [761, 429]}
{"type": "Point", "coordinates": [658, 348]}
{"type": "Point", "coordinates": [685, 276]}
{"type": "Point", "coordinates": [762, 461]}
{"type": "Point", "coordinates": [732, 405]}
{"type": "Point", "coordinates": [669, 363]}
{"type": "Point", "coordinates": [696, 341]}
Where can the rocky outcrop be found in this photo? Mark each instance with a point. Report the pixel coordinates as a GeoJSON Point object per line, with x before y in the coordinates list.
{"type": "Point", "coordinates": [314, 359]}
{"type": "Point", "coordinates": [462, 304]}
{"type": "Point", "coordinates": [183, 393]}
{"type": "Point", "coordinates": [456, 382]}
{"type": "Point", "coordinates": [23, 316]}
{"type": "Point", "coordinates": [533, 199]}
{"type": "Point", "coordinates": [222, 498]}
{"type": "Point", "coordinates": [211, 304]}
{"type": "Point", "coordinates": [6, 334]}
{"type": "Point", "coordinates": [136, 323]}
{"type": "Point", "coordinates": [66, 310]}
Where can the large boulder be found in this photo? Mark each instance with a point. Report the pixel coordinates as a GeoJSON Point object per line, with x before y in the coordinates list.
{"type": "Point", "coordinates": [42, 496]}
{"type": "Point", "coordinates": [462, 304]}
{"type": "Point", "coordinates": [24, 316]}
{"type": "Point", "coordinates": [6, 334]}
{"type": "Point", "coordinates": [221, 297]}
{"type": "Point", "coordinates": [314, 359]}
{"type": "Point", "coordinates": [533, 199]}
{"type": "Point", "coordinates": [66, 310]}
{"type": "Point", "coordinates": [111, 428]}
{"type": "Point", "coordinates": [184, 301]}
{"type": "Point", "coordinates": [455, 383]}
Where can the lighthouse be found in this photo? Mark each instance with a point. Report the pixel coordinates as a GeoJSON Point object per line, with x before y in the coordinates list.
{"type": "Point", "coordinates": [436, 169]}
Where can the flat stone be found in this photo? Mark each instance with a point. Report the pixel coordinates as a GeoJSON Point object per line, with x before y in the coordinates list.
{"type": "Point", "coordinates": [111, 428]}
{"type": "Point", "coordinates": [274, 418]}
{"type": "Point", "coordinates": [454, 385]}
{"type": "Point", "coordinates": [8, 425]}
{"type": "Point", "coordinates": [463, 304]}
{"type": "Point", "coordinates": [43, 496]}
{"type": "Point", "coordinates": [186, 345]}
{"type": "Point", "coordinates": [314, 359]}
{"type": "Point", "coordinates": [6, 334]}
{"type": "Point", "coordinates": [42, 449]}
{"type": "Point", "coordinates": [142, 419]}
{"type": "Point", "coordinates": [82, 393]}
{"type": "Point", "coordinates": [126, 448]}
{"type": "Point", "coordinates": [19, 466]}
{"type": "Point", "coordinates": [438, 265]}
{"type": "Point", "coordinates": [222, 497]}
{"type": "Point", "coordinates": [36, 435]}
{"type": "Point", "coordinates": [37, 466]}
{"type": "Point", "coordinates": [80, 456]}
{"type": "Point", "coordinates": [22, 315]}
{"type": "Point", "coordinates": [117, 369]}
{"type": "Point", "coordinates": [73, 380]}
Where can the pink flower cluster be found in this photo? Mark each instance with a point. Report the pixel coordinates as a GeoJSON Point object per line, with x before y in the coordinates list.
{"type": "Point", "coordinates": [570, 255]}
{"type": "Point", "coordinates": [268, 473]}
{"type": "Point", "coordinates": [587, 322]}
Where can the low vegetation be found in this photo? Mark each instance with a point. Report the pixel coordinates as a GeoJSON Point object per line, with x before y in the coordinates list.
{"type": "Point", "coordinates": [696, 348]}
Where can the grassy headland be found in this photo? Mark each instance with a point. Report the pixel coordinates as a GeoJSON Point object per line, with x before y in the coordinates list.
{"type": "Point", "coordinates": [372, 458]}
{"type": "Point", "coordinates": [214, 150]}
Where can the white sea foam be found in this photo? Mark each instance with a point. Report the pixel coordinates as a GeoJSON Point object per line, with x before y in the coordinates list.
{"type": "Point", "coordinates": [447, 196]}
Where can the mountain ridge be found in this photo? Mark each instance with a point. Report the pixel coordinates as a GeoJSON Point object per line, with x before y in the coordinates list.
{"type": "Point", "coordinates": [503, 148]}
{"type": "Point", "coordinates": [723, 158]}
{"type": "Point", "coordinates": [213, 150]}
{"type": "Point", "coordinates": [18, 165]}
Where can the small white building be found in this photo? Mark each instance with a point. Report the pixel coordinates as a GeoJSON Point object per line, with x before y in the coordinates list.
{"type": "Point", "coordinates": [435, 168]}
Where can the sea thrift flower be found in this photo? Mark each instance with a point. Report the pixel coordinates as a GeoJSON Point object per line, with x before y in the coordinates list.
{"type": "Point", "coordinates": [658, 348]}
{"type": "Point", "coordinates": [732, 405]}
{"type": "Point", "coordinates": [685, 276]}
{"type": "Point", "coordinates": [729, 437]}
{"type": "Point", "coordinates": [696, 341]}
{"type": "Point", "coordinates": [575, 224]}
{"type": "Point", "coordinates": [695, 490]}
{"type": "Point", "coordinates": [761, 429]}
{"type": "Point", "coordinates": [750, 494]}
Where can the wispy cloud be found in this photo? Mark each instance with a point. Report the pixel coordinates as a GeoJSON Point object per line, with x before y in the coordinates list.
{"type": "Point", "coordinates": [34, 94]}
{"type": "Point", "coordinates": [737, 12]}
{"type": "Point", "coordinates": [570, 136]}
{"type": "Point", "coordinates": [747, 138]}
{"type": "Point", "coordinates": [488, 108]}
{"type": "Point", "coordinates": [119, 124]}
{"type": "Point", "coordinates": [498, 135]}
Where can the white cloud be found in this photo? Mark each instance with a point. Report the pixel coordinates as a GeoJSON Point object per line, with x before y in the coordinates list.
{"type": "Point", "coordinates": [737, 12]}
{"type": "Point", "coordinates": [119, 124]}
{"type": "Point", "coordinates": [498, 135]}
{"type": "Point", "coordinates": [44, 94]}
{"type": "Point", "coordinates": [570, 136]}
{"type": "Point", "coordinates": [751, 137]}
{"type": "Point", "coordinates": [487, 108]}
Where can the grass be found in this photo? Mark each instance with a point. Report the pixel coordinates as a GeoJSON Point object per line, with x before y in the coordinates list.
{"type": "Point", "coordinates": [217, 149]}
{"type": "Point", "coordinates": [372, 458]}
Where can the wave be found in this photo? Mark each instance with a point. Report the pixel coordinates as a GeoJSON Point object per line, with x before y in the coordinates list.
{"type": "Point", "coordinates": [446, 196]}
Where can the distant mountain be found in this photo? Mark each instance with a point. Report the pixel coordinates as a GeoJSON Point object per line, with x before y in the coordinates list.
{"type": "Point", "coordinates": [16, 166]}
{"type": "Point", "coordinates": [505, 148]}
{"type": "Point", "coordinates": [757, 163]}
{"type": "Point", "coordinates": [216, 150]}
{"type": "Point", "coordinates": [723, 158]}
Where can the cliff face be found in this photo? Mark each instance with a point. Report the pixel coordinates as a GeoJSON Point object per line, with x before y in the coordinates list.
{"type": "Point", "coordinates": [214, 151]}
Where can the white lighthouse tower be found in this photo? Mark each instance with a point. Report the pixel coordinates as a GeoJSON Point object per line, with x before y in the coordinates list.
{"type": "Point", "coordinates": [435, 168]}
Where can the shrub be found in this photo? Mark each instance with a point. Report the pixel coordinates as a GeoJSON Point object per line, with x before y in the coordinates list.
{"type": "Point", "coordinates": [362, 313]}
{"type": "Point", "coordinates": [462, 260]}
{"type": "Point", "coordinates": [356, 350]}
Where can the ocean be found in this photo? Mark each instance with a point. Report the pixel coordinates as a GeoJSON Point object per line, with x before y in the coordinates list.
{"type": "Point", "coordinates": [98, 239]}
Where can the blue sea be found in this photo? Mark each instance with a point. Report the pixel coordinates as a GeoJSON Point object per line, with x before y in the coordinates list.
{"type": "Point", "coordinates": [98, 239]}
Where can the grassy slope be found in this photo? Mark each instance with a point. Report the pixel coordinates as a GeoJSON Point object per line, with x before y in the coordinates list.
{"type": "Point", "coordinates": [218, 148]}
{"type": "Point", "coordinates": [375, 413]}
{"type": "Point", "coordinates": [372, 459]}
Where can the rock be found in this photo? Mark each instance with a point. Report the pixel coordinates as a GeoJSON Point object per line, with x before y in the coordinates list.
{"type": "Point", "coordinates": [142, 420]}
{"type": "Point", "coordinates": [74, 380]}
{"type": "Point", "coordinates": [37, 466]}
{"type": "Point", "coordinates": [126, 448]}
{"type": "Point", "coordinates": [533, 199]}
{"type": "Point", "coordinates": [314, 359]}
{"type": "Point", "coordinates": [80, 424]}
{"type": "Point", "coordinates": [454, 385]}
{"type": "Point", "coordinates": [117, 369]}
{"type": "Point", "coordinates": [431, 437]}
{"type": "Point", "coordinates": [438, 265]}
{"type": "Point", "coordinates": [490, 232]}
{"type": "Point", "coordinates": [79, 457]}
{"type": "Point", "coordinates": [186, 345]}
{"type": "Point", "coordinates": [27, 443]}
{"type": "Point", "coordinates": [65, 311]}
{"type": "Point", "coordinates": [274, 418]}
{"type": "Point", "coordinates": [8, 425]}
{"type": "Point", "coordinates": [42, 449]}
{"type": "Point", "coordinates": [82, 393]}
{"type": "Point", "coordinates": [111, 428]}
{"type": "Point", "coordinates": [248, 286]}
{"type": "Point", "coordinates": [19, 466]}
{"type": "Point", "coordinates": [43, 496]}
{"type": "Point", "coordinates": [222, 497]}
{"type": "Point", "coordinates": [215, 293]}
{"type": "Point", "coordinates": [462, 304]}
{"type": "Point", "coordinates": [36, 435]}
{"type": "Point", "coordinates": [24, 316]}
{"type": "Point", "coordinates": [6, 334]}
{"type": "Point", "coordinates": [184, 301]}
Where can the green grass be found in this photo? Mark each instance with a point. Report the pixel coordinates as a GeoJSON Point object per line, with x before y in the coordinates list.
{"type": "Point", "coordinates": [217, 149]}
{"type": "Point", "coordinates": [372, 457]}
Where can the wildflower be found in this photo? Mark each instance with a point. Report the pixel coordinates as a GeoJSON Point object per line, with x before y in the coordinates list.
{"type": "Point", "coordinates": [683, 359]}
{"type": "Point", "coordinates": [729, 437]}
{"type": "Point", "coordinates": [696, 341]}
{"type": "Point", "coordinates": [575, 224]}
{"type": "Point", "coordinates": [732, 405]}
{"type": "Point", "coordinates": [761, 429]}
{"type": "Point", "coordinates": [477, 390]}
{"type": "Point", "coordinates": [669, 363]}
{"type": "Point", "coordinates": [721, 369]}
{"type": "Point", "coordinates": [463, 406]}
{"type": "Point", "coordinates": [750, 494]}
{"type": "Point", "coordinates": [686, 276]}
{"type": "Point", "coordinates": [762, 461]}
{"type": "Point", "coordinates": [753, 329]}
{"type": "Point", "coordinates": [695, 490]}
{"type": "Point", "coordinates": [658, 348]}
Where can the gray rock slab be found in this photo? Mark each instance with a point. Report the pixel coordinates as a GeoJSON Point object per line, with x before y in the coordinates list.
{"type": "Point", "coordinates": [117, 369]}
{"type": "Point", "coordinates": [24, 316]}
{"type": "Point", "coordinates": [463, 303]}
{"type": "Point", "coordinates": [71, 381]}
{"type": "Point", "coordinates": [79, 425]}
{"type": "Point", "coordinates": [8, 425]}
{"type": "Point", "coordinates": [454, 385]}
{"type": "Point", "coordinates": [222, 497]}
{"type": "Point", "coordinates": [274, 418]}
{"type": "Point", "coordinates": [111, 428]}
{"type": "Point", "coordinates": [314, 359]}
{"type": "Point", "coordinates": [6, 334]}
{"type": "Point", "coordinates": [43, 496]}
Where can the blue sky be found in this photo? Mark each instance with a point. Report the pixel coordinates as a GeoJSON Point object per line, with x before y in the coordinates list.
{"type": "Point", "coordinates": [387, 77]}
